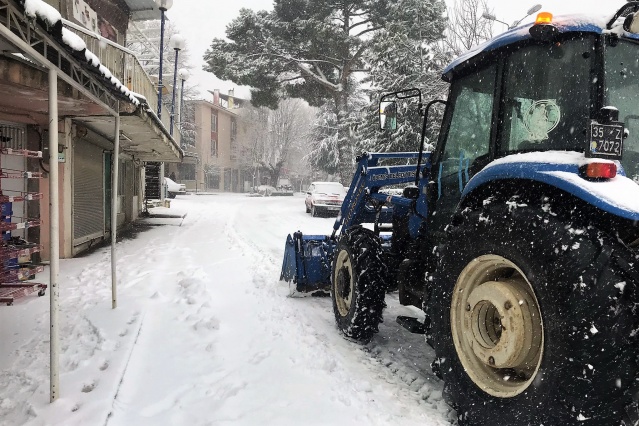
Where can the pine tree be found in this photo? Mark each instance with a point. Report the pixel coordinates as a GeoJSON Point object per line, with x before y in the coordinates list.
{"type": "Point", "coordinates": [406, 55]}
{"type": "Point", "coordinates": [311, 49]}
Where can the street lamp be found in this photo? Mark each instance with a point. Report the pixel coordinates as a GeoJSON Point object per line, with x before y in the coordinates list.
{"type": "Point", "coordinates": [184, 75]}
{"type": "Point", "coordinates": [163, 5]}
{"type": "Point", "coordinates": [491, 17]}
{"type": "Point", "coordinates": [532, 10]}
{"type": "Point", "coordinates": [177, 44]}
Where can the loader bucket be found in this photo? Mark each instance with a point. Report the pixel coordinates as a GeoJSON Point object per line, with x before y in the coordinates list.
{"type": "Point", "coordinates": [307, 262]}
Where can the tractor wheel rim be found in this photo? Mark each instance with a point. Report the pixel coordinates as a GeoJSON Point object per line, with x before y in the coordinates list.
{"type": "Point", "coordinates": [343, 283]}
{"type": "Point", "coordinates": [497, 326]}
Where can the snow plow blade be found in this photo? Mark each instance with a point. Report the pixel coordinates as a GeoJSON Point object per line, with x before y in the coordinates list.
{"type": "Point", "coordinates": [307, 262]}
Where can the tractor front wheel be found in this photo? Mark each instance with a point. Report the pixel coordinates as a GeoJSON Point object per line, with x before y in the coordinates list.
{"type": "Point", "coordinates": [357, 286]}
{"type": "Point", "coordinates": [533, 321]}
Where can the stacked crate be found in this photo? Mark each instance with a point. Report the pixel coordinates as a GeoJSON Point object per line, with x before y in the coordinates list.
{"type": "Point", "coordinates": [16, 269]}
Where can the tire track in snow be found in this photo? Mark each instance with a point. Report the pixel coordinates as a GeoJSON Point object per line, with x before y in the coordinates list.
{"type": "Point", "coordinates": [397, 361]}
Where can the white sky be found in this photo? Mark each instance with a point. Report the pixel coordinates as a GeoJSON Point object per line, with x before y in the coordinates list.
{"type": "Point", "coordinates": [199, 25]}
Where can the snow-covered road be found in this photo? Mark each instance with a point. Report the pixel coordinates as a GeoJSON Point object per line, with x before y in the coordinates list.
{"type": "Point", "coordinates": [206, 334]}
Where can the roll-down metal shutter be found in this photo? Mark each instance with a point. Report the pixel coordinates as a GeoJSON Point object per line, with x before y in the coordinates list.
{"type": "Point", "coordinates": [88, 192]}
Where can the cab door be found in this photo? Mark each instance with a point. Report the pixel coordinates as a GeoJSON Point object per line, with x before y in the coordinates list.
{"type": "Point", "coordinates": [464, 145]}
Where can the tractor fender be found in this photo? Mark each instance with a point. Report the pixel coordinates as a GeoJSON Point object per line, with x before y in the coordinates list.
{"type": "Point", "coordinates": [618, 196]}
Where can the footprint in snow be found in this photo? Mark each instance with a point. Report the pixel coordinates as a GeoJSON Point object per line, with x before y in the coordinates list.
{"type": "Point", "coordinates": [259, 357]}
{"type": "Point", "coordinates": [88, 387]}
{"type": "Point", "coordinates": [207, 324]}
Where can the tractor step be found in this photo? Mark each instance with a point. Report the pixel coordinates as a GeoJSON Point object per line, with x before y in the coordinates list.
{"type": "Point", "coordinates": [411, 324]}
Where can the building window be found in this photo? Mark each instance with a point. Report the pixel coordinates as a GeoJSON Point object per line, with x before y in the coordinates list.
{"type": "Point", "coordinates": [214, 152]}
{"type": "Point", "coordinates": [136, 181]}
{"type": "Point", "coordinates": [122, 176]}
{"type": "Point", "coordinates": [214, 122]}
{"type": "Point", "coordinates": [233, 129]}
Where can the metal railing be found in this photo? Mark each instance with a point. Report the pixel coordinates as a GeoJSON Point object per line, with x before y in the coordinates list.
{"type": "Point", "coordinates": [124, 65]}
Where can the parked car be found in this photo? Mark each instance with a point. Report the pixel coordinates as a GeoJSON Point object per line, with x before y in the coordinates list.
{"type": "Point", "coordinates": [265, 190]}
{"type": "Point", "coordinates": [324, 197]}
{"type": "Point", "coordinates": [284, 184]}
{"type": "Point", "coordinates": [173, 188]}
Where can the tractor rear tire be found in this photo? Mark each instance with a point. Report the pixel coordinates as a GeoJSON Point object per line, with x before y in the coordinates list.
{"type": "Point", "coordinates": [357, 285]}
{"type": "Point", "coordinates": [563, 351]}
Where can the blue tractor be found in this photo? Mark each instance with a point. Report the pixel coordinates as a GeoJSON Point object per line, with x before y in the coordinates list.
{"type": "Point", "coordinates": [518, 234]}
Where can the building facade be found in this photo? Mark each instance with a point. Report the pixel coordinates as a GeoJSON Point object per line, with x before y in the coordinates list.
{"type": "Point", "coordinates": [224, 162]}
{"type": "Point", "coordinates": [99, 84]}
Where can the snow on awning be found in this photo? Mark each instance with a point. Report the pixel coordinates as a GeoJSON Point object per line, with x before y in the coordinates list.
{"type": "Point", "coordinates": [53, 20]}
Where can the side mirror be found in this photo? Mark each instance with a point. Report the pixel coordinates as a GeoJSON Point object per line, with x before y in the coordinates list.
{"type": "Point", "coordinates": [388, 115]}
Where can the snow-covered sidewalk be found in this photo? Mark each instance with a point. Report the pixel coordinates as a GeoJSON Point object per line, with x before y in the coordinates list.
{"type": "Point", "coordinates": [205, 334]}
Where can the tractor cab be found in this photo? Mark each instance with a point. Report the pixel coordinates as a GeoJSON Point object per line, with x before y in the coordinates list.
{"type": "Point", "coordinates": [560, 90]}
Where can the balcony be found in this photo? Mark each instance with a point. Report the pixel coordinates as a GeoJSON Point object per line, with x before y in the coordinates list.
{"type": "Point", "coordinates": [142, 133]}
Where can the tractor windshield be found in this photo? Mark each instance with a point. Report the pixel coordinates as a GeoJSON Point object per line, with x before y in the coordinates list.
{"type": "Point", "coordinates": [547, 97]}
{"type": "Point", "coordinates": [622, 92]}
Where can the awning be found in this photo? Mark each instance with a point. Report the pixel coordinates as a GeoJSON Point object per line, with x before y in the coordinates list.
{"type": "Point", "coordinates": [143, 10]}
{"type": "Point", "coordinates": [141, 135]}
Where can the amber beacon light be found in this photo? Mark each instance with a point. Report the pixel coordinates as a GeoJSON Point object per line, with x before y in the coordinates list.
{"type": "Point", "coordinates": [544, 18]}
{"type": "Point", "coordinates": [543, 29]}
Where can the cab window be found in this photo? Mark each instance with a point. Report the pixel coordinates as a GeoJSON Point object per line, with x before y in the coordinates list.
{"type": "Point", "coordinates": [622, 92]}
{"type": "Point", "coordinates": [468, 137]}
{"type": "Point", "coordinates": [547, 97]}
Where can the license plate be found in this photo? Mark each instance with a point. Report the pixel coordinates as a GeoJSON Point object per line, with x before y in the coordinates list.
{"type": "Point", "coordinates": [606, 141]}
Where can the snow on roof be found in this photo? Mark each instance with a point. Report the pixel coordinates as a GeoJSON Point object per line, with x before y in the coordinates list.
{"type": "Point", "coordinates": [40, 9]}
{"type": "Point", "coordinates": [549, 157]}
{"type": "Point", "coordinates": [565, 24]}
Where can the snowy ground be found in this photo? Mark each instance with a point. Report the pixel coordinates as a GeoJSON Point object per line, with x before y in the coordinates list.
{"type": "Point", "coordinates": [205, 334]}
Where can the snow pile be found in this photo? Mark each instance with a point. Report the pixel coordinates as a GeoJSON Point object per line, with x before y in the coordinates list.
{"type": "Point", "coordinates": [549, 157]}
{"type": "Point", "coordinates": [39, 9]}
{"type": "Point", "coordinates": [42, 10]}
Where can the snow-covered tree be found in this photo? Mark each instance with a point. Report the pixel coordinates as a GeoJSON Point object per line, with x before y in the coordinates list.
{"type": "Point", "coordinates": [144, 41]}
{"type": "Point", "coordinates": [404, 56]}
{"type": "Point", "coordinates": [274, 135]}
{"type": "Point", "coordinates": [324, 155]}
{"type": "Point", "coordinates": [304, 48]}
{"type": "Point", "coordinates": [467, 27]}
{"type": "Point", "coordinates": [188, 129]}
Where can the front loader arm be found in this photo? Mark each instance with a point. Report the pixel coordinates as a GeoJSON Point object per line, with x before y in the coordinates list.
{"type": "Point", "coordinates": [368, 179]}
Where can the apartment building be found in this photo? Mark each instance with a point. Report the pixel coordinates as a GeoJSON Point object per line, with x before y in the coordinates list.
{"type": "Point", "coordinates": [224, 161]}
